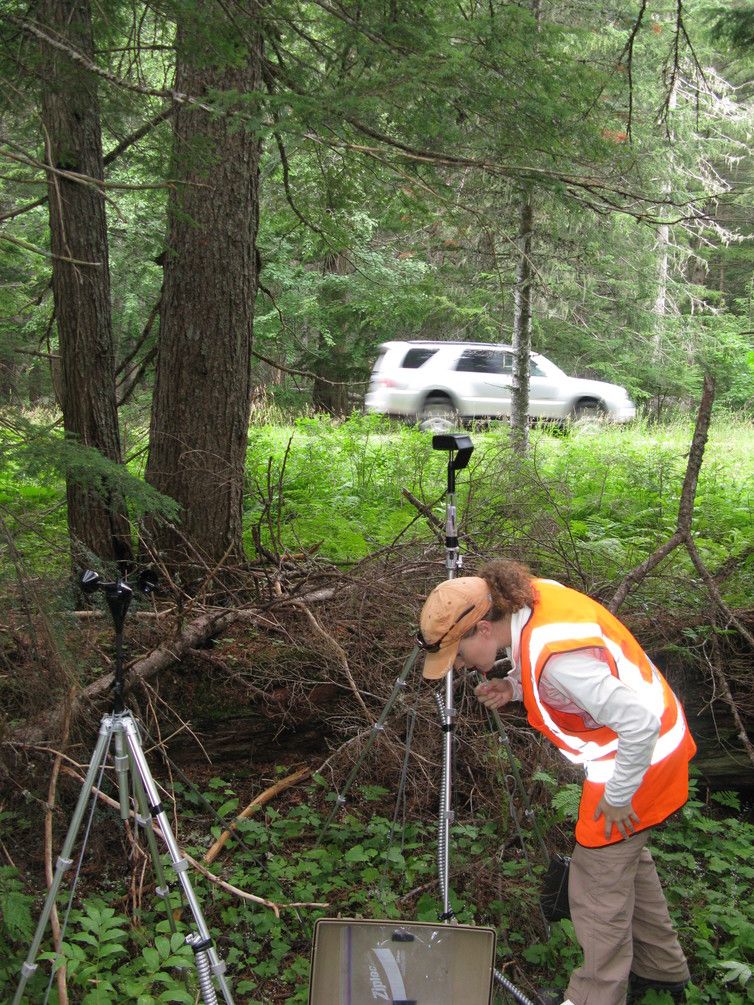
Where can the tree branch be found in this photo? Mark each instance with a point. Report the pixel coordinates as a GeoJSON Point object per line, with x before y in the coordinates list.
{"type": "Point", "coordinates": [78, 57]}
{"type": "Point", "coordinates": [686, 505]}
{"type": "Point", "coordinates": [125, 143]}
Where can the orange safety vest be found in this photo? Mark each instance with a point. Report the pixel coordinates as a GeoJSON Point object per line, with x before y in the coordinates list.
{"type": "Point", "coordinates": [563, 621]}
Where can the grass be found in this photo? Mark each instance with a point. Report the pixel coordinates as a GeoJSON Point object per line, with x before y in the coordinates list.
{"type": "Point", "coordinates": [609, 496]}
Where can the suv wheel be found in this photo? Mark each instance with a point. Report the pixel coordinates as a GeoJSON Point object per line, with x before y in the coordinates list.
{"type": "Point", "coordinates": [438, 415]}
{"type": "Point", "coordinates": [588, 413]}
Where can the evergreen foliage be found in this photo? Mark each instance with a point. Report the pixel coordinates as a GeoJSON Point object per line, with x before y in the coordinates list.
{"type": "Point", "coordinates": [395, 143]}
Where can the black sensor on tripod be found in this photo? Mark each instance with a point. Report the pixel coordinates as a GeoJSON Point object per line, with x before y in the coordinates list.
{"type": "Point", "coordinates": [147, 582]}
{"type": "Point", "coordinates": [90, 581]}
{"type": "Point", "coordinates": [457, 442]}
{"type": "Point", "coordinates": [459, 449]}
{"type": "Point", "coordinates": [118, 595]}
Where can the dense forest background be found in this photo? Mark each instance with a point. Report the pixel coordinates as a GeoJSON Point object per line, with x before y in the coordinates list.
{"type": "Point", "coordinates": [212, 212]}
{"type": "Point", "coordinates": [573, 179]}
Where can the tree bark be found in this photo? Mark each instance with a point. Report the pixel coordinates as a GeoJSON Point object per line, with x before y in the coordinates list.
{"type": "Point", "coordinates": [332, 359]}
{"type": "Point", "coordinates": [200, 409]}
{"type": "Point", "coordinates": [78, 234]}
{"type": "Point", "coordinates": [522, 327]}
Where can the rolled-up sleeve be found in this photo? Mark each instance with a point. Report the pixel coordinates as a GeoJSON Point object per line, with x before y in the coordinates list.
{"type": "Point", "coordinates": [514, 676]}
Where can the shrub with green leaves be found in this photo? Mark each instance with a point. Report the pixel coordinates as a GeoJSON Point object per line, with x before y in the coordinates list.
{"type": "Point", "coordinates": [365, 867]}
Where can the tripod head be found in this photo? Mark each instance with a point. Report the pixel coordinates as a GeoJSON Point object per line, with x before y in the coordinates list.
{"type": "Point", "coordinates": [459, 449]}
{"type": "Point", "coordinates": [458, 445]}
{"type": "Point", "coordinates": [118, 595]}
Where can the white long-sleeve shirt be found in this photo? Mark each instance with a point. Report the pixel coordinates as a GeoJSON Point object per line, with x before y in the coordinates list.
{"type": "Point", "coordinates": [581, 682]}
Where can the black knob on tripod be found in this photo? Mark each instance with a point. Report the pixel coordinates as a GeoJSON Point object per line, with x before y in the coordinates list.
{"type": "Point", "coordinates": [118, 596]}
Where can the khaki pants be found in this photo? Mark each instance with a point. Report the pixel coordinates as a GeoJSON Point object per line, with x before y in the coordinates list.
{"type": "Point", "coordinates": [622, 922]}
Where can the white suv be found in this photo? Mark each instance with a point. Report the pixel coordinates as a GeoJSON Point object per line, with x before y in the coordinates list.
{"type": "Point", "coordinates": [439, 383]}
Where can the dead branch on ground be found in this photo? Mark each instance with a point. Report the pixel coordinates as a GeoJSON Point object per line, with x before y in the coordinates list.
{"type": "Point", "coordinates": [261, 800]}
{"type": "Point", "coordinates": [228, 887]}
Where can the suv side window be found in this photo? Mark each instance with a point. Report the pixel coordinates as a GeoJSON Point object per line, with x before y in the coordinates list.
{"type": "Point", "coordinates": [415, 358]}
{"type": "Point", "coordinates": [484, 361]}
{"type": "Point", "coordinates": [534, 370]}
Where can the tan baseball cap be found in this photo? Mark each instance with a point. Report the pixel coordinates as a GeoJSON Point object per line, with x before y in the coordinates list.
{"type": "Point", "coordinates": [451, 610]}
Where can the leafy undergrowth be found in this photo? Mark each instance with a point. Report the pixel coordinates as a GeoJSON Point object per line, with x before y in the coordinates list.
{"type": "Point", "coordinates": [592, 502]}
{"type": "Point", "coordinates": [610, 495]}
{"type": "Point", "coordinates": [365, 866]}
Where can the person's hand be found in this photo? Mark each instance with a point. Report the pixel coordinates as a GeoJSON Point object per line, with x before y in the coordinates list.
{"type": "Point", "coordinates": [494, 693]}
{"type": "Point", "coordinates": [623, 817]}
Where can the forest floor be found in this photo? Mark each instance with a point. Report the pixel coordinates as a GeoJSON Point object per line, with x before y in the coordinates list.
{"type": "Point", "coordinates": [309, 646]}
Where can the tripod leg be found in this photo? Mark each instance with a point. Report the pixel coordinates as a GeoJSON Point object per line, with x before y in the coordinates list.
{"type": "Point", "coordinates": [65, 861]}
{"type": "Point", "coordinates": [144, 821]}
{"type": "Point", "coordinates": [180, 864]}
{"type": "Point", "coordinates": [376, 729]}
{"type": "Point", "coordinates": [121, 771]}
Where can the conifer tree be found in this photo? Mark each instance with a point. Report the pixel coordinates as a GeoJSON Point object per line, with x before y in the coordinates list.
{"type": "Point", "coordinates": [200, 408]}
{"type": "Point", "coordinates": [80, 270]}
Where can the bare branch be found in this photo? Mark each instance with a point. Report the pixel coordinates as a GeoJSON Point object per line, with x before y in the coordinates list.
{"type": "Point", "coordinates": [713, 590]}
{"type": "Point", "coordinates": [125, 144]}
{"type": "Point", "coordinates": [686, 505]}
{"type": "Point", "coordinates": [721, 680]}
{"type": "Point", "coordinates": [628, 52]}
{"type": "Point", "coordinates": [45, 254]}
{"type": "Point", "coordinates": [78, 57]}
{"type": "Point", "coordinates": [261, 800]}
{"type": "Point", "coordinates": [301, 373]}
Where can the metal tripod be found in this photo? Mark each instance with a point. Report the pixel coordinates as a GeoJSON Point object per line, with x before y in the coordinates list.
{"type": "Point", "coordinates": [459, 448]}
{"type": "Point", "coordinates": [459, 452]}
{"type": "Point", "coordinates": [120, 729]}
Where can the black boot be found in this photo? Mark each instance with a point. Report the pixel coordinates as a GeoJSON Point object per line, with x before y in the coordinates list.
{"type": "Point", "coordinates": [638, 985]}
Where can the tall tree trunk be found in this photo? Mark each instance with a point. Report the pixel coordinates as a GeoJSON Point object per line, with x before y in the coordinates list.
{"type": "Point", "coordinates": [522, 327]}
{"type": "Point", "coordinates": [522, 299]}
{"type": "Point", "coordinates": [660, 306]}
{"type": "Point", "coordinates": [332, 359]}
{"type": "Point", "coordinates": [81, 276]}
{"type": "Point", "coordinates": [200, 409]}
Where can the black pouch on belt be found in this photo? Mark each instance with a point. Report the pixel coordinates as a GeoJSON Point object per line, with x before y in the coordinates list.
{"type": "Point", "coordinates": [554, 896]}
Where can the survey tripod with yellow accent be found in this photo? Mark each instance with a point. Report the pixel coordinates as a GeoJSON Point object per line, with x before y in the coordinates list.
{"type": "Point", "coordinates": [139, 799]}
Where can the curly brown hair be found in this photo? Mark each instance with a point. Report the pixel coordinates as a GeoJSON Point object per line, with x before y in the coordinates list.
{"type": "Point", "coordinates": [511, 587]}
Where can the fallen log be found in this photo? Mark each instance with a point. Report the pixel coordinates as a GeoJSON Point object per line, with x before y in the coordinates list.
{"type": "Point", "coordinates": [171, 650]}
{"type": "Point", "coordinates": [168, 652]}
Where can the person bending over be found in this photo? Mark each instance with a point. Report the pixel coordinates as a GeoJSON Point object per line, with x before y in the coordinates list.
{"type": "Point", "coordinates": [588, 686]}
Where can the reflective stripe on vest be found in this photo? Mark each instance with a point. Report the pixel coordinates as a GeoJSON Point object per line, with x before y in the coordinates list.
{"type": "Point", "coordinates": [559, 637]}
{"type": "Point", "coordinates": [602, 771]}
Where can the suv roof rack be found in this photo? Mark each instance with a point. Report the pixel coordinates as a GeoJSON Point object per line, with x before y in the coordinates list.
{"type": "Point", "coordinates": [440, 341]}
